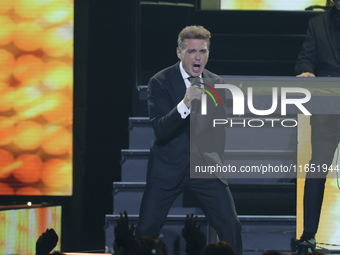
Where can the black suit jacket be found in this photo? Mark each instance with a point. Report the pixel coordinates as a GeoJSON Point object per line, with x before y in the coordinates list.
{"type": "Point", "coordinates": [319, 51]}
{"type": "Point", "coordinates": [319, 56]}
{"type": "Point", "coordinates": [169, 159]}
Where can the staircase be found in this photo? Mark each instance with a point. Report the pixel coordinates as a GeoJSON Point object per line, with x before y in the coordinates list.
{"type": "Point", "coordinates": [266, 207]}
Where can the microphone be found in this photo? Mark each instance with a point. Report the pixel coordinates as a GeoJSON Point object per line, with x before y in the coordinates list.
{"type": "Point", "coordinates": [194, 103]}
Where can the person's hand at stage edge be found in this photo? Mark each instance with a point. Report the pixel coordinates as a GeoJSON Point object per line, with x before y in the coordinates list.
{"type": "Point", "coordinates": [46, 242]}
{"type": "Point", "coordinates": [191, 230]}
{"type": "Point", "coordinates": [122, 229]}
{"type": "Point", "coordinates": [192, 93]}
{"type": "Point", "coordinates": [306, 74]}
{"type": "Point", "coordinates": [125, 242]}
{"type": "Point", "coordinates": [191, 234]}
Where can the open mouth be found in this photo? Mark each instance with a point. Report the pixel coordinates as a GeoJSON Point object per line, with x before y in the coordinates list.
{"type": "Point", "coordinates": [196, 67]}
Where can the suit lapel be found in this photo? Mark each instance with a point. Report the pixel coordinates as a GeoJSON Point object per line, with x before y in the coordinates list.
{"type": "Point", "coordinates": [179, 84]}
{"type": "Point", "coordinates": [330, 34]}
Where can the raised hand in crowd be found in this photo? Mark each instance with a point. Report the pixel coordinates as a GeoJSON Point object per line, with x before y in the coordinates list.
{"type": "Point", "coordinates": [191, 230]}
{"type": "Point", "coordinates": [125, 242]}
{"type": "Point", "coordinates": [46, 242]}
{"type": "Point", "coordinates": [191, 234]}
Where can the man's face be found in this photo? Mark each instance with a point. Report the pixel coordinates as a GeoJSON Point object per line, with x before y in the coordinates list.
{"type": "Point", "coordinates": [194, 57]}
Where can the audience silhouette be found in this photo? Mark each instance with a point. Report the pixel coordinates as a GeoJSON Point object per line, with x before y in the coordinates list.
{"type": "Point", "coordinates": [126, 243]}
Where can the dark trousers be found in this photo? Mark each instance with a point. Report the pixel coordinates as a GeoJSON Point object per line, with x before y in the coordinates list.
{"type": "Point", "coordinates": [214, 198]}
{"type": "Point", "coordinates": [325, 139]}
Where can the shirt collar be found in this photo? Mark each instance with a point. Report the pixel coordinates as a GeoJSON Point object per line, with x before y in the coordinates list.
{"type": "Point", "coordinates": [185, 75]}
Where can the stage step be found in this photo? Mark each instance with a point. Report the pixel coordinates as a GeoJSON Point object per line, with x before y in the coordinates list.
{"type": "Point", "coordinates": [128, 196]}
{"type": "Point", "coordinates": [134, 163]}
{"type": "Point", "coordinates": [250, 199]}
{"type": "Point", "coordinates": [140, 133]}
{"type": "Point", "coordinates": [238, 138]}
{"type": "Point", "coordinates": [258, 232]}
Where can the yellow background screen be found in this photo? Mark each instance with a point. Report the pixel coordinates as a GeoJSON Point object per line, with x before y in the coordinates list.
{"type": "Point", "coordinates": [286, 5]}
{"type": "Point", "coordinates": [36, 97]}
{"type": "Point", "coordinates": [329, 226]}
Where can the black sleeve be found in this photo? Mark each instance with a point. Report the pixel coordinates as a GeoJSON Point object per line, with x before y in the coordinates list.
{"type": "Point", "coordinates": [307, 58]}
{"type": "Point", "coordinates": [164, 118]}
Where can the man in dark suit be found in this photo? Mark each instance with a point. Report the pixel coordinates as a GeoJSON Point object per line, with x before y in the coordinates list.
{"type": "Point", "coordinates": [320, 56]}
{"type": "Point", "coordinates": [171, 101]}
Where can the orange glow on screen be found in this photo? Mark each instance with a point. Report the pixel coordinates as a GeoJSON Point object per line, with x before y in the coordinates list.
{"type": "Point", "coordinates": [36, 97]}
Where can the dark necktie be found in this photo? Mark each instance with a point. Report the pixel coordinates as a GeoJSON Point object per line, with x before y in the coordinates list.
{"type": "Point", "coordinates": [195, 80]}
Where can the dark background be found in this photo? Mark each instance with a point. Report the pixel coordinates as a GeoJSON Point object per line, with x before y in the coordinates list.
{"type": "Point", "coordinates": [119, 45]}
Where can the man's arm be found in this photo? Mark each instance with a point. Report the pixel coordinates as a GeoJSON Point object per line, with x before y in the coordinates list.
{"type": "Point", "coordinates": [307, 59]}
{"type": "Point", "coordinates": [165, 118]}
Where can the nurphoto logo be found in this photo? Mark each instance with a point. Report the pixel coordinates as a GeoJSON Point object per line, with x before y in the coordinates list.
{"type": "Point", "coordinates": [238, 105]}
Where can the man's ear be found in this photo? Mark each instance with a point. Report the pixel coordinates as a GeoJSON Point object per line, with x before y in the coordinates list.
{"type": "Point", "coordinates": [179, 54]}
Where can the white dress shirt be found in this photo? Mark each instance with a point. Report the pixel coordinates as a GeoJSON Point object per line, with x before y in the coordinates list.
{"type": "Point", "coordinates": [183, 110]}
